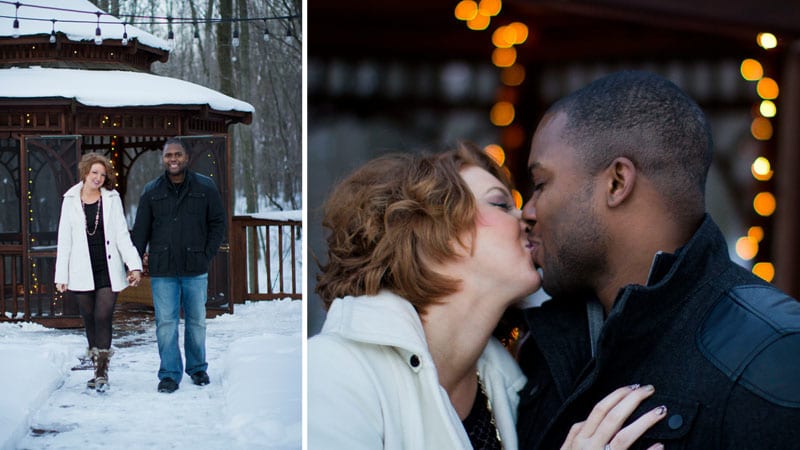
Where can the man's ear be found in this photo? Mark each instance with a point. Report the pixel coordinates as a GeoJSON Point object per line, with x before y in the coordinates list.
{"type": "Point", "coordinates": [621, 175]}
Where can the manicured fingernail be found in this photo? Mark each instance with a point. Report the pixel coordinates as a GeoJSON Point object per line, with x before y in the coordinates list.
{"type": "Point", "coordinates": [648, 387]}
{"type": "Point", "coordinates": [661, 410]}
{"type": "Point", "coordinates": [658, 446]}
{"type": "Point", "coordinates": [633, 387]}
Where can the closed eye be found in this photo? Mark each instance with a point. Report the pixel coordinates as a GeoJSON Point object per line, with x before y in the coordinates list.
{"type": "Point", "coordinates": [502, 205]}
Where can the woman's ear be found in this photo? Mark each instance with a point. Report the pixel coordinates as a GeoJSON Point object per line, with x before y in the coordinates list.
{"type": "Point", "coordinates": [621, 175]}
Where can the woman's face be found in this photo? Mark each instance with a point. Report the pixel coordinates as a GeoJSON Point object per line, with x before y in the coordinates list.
{"type": "Point", "coordinates": [96, 176]}
{"type": "Point", "coordinates": [501, 252]}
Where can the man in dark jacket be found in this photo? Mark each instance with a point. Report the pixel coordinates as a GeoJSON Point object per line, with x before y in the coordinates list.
{"type": "Point", "coordinates": [181, 217]}
{"type": "Point", "coordinates": [643, 288]}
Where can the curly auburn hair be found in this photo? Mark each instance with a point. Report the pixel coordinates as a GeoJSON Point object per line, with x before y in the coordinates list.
{"type": "Point", "coordinates": [393, 217]}
{"type": "Point", "coordinates": [90, 159]}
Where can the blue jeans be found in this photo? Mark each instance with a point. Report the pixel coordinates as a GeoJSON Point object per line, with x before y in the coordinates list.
{"type": "Point", "coordinates": [170, 294]}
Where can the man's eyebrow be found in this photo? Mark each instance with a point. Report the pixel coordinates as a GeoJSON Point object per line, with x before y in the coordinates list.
{"type": "Point", "coordinates": [533, 166]}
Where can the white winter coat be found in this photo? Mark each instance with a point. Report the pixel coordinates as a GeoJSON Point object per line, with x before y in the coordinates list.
{"type": "Point", "coordinates": [365, 391]}
{"type": "Point", "coordinates": [73, 266]}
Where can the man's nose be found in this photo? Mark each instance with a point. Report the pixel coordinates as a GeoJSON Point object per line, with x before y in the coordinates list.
{"type": "Point", "coordinates": [529, 211]}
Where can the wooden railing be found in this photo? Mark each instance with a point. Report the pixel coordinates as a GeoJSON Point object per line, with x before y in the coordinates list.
{"type": "Point", "coordinates": [12, 285]}
{"type": "Point", "coordinates": [264, 265]}
{"type": "Point", "coordinates": [255, 276]}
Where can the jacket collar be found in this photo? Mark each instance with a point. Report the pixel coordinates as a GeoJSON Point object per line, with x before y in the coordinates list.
{"type": "Point", "coordinates": [673, 281]}
{"type": "Point", "coordinates": [75, 191]}
{"type": "Point", "coordinates": [560, 330]}
{"type": "Point", "coordinates": [383, 319]}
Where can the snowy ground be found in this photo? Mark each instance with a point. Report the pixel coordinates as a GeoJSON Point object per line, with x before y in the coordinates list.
{"type": "Point", "coordinates": [254, 400]}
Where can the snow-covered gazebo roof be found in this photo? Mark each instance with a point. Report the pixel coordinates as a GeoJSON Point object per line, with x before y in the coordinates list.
{"type": "Point", "coordinates": [70, 64]}
{"type": "Point", "coordinates": [112, 88]}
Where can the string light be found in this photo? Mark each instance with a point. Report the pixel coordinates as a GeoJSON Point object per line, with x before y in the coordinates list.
{"type": "Point", "coordinates": [125, 33]}
{"type": "Point", "coordinates": [197, 31]}
{"type": "Point", "coordinates": [15, 33]}
{"type": "Point", "coordinates": [98, 38]}
{"type": "Point", "coordinates": [170, 33]}
{"type": "Point", "coordinates": [139, 19]}
{"type": "Point", "coordinates": [235, 40]}
{"type": "Point", "coordinates": [53, 32]}
{"type": "Point", "coordinates": [266, 32]}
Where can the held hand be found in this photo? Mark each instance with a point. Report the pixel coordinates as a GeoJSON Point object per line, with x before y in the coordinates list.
{"type": "Point", "coordinates": [134, 277]}
{"type": "Point", "coordinates": [61, 287]}
{"type": "Point", "coordinates": [601, 430]}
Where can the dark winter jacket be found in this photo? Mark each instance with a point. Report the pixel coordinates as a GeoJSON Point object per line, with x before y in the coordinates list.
{"type": "Point", "coordinates": [721, 347]}
{"type": "Point", "coordinates": [184, 226]}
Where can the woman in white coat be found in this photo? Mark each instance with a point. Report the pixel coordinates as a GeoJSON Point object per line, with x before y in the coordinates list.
{"type": "Point", "coordinates": [94, 246]}
{"type": "Point", "coordinates": [425, 253]}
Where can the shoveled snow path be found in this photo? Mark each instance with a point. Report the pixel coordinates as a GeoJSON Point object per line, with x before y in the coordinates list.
{"type": "Point", "coordinates": [253, 401]}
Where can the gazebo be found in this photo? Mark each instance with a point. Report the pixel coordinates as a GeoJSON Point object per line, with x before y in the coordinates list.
{"type": "Point", "coordinates": [65, 91]}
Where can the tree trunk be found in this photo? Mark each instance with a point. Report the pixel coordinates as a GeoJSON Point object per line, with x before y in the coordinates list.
{"type": "Point", "coordinates": [224, 36]}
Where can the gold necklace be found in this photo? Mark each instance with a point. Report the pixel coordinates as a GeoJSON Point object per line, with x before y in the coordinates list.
{"type": "Point", "coordinates": [491, 413]}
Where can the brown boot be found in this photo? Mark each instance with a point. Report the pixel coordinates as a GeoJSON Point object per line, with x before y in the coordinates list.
{"type": "Point", "coordinates": [101, 369]}
{"type": "Point", "coordinates": [91, 353]}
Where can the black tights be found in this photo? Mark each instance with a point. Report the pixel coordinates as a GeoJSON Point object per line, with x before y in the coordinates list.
{"type": "Point", "coordinates": [96, 308]}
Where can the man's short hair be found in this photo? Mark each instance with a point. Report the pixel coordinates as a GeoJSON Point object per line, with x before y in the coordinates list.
{"type": "Point", "coordinates": [649, 120]}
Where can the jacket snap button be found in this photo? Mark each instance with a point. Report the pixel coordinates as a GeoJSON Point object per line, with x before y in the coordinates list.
{"type": "Point", "coordinates": [675, 422]}
{"type": "Point", "coordinates": [414, 360]}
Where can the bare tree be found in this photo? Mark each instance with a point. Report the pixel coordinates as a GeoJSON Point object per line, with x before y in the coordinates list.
{"type": "Point", "coordinates": [267, 73]}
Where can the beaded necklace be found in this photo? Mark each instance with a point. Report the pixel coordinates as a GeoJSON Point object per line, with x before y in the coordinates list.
{"type": "Point", "coordinates": [96, 216]}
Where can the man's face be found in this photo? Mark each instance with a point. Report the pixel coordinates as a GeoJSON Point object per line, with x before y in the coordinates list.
{"type": "Point", "coordinates": [566, 227]}
{"type": "Point", "coordinates": [175, 159]}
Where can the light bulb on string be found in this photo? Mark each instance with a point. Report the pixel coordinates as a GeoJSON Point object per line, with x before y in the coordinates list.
{"type": "Point", "coordinates": [53, 32]}
{"type": "Point", "coordinates": [289, 34]}
{"type": "Point", "coordinates": [124, 33]}
{"type": "Point", "coordinates": [196, 31]}
{"type": "Point", "coordinates": [235, 40]}
{"type": "Point", "coordinates": [170, 33]}
{"type": "Point", "coordinates": [98, 38]}
{"type": "Point", "coordinates": [266, 31]}
{"type": "Point", "coordinates": [15, 33]}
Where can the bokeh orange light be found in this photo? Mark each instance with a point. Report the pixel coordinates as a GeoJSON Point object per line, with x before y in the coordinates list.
{"type": "Point", "coordinates": [504, 57]}
{"type": "Point", "coordinates": [767, 88]}
{"type": "Point", "coordinates": [746, 248]}
{"type": "Point", "coordinates": [756, 232]}
{"type": "Point", "coordinates": [479, 22]}
{"type": "Point", "coordinates": [490, 8]}
{"type": "Point", "coordinates": [466, 10]}
{"type": "Point", "coordinates": [502, 114]}
{"type": "Point", "coordinates": [496, 153]}
{"type": "Point", "coordinates": [513, 76]}
{"type": "Point", "coordinates": [765, 270]}
{"type": "Point", "coordinates": [517, 198]}
{"type": "Point", "coordinates": [751, 70]}
{"type": "Point", "coordinates": [761, 129]}
{"type": "Point", "coordinates": [764, 204]}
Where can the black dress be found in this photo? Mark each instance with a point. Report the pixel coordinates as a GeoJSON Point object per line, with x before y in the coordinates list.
{"type": "Point", "coordinates": [97, 244]}
{"type": "Point", "coordinates": [480, 425]}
